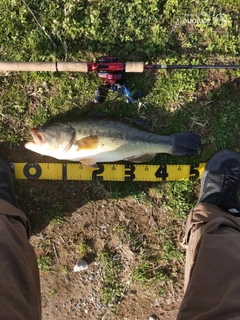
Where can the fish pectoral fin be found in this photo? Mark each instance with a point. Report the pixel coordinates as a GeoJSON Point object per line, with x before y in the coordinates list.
{"type": "Point", "coordinates": [143, 158]}
{"type": "Point", "coordinates": [89, 162]}
{"type": "Point", "coordinates": [88, 143]}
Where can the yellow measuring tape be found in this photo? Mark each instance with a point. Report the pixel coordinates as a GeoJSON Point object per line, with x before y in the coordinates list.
{"type": "Point", "coordinates": [107, 172]}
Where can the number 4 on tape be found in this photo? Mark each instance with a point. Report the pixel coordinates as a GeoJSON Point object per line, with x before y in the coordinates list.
{"type": "Point", "coordinates": [162, 172]}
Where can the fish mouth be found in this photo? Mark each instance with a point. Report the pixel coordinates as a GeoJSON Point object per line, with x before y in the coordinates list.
{"type": "Point", "coordinates": [37, 135]}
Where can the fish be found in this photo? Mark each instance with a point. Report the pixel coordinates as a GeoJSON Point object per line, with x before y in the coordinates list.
{"type": "Point", "coordinates": [100, 140]}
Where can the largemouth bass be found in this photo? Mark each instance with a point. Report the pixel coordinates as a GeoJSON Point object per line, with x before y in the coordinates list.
{"type": "Point", "coordinates": [92, 141]}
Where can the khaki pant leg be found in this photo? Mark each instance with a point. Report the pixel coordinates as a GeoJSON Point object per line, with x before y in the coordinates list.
{"type": "Point", "coordinates": [19, 277]}
{"type": "Point", "coordinates": [212, 272]}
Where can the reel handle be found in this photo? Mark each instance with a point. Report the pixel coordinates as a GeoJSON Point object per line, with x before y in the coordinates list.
{"type": "Point", "coordinates": [100, 94]}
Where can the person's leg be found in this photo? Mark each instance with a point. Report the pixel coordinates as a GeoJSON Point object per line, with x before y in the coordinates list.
{"type": "Point", "coordinates": [20, 296]}
{"type": "Point", "coordinates": [212, 280]}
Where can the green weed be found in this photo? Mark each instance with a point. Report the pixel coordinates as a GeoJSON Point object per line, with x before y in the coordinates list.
{"type": "Point", "coordinates": [56, 214]}
{"type": "Point", "coordinates": [64, 271]}
{"type": "Point", "coordinates": [52, 293]}
{"type": "Point", "coordinates": [44, 263]}
{"type": "Point", "coordinates": [83, 247]}
{"type": "Point", "coordinates": [170, 253]}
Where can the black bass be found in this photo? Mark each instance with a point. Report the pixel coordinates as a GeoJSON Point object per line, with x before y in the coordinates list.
{"type": "Point", "coordinates": [92, 141]}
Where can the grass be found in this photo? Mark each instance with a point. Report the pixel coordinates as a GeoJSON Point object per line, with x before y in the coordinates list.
{"type": "Point", "coordinates": [56, 213]}
{"type": "Point", "coordinates": [206, 102]}
{"type": "Point", "coordinates": [179, 198]}
{"type": "Point", "coordinates": [112, 288]}
{"type": "Point", "coordinates": [132, 239]}
{"type": "Point", "coordinates": [146, 274]}
{"type": "Point", "coordinates": [157, 256]}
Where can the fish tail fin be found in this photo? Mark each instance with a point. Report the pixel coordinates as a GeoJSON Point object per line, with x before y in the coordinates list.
{"type": "Point", "coordinates": [185, 143]}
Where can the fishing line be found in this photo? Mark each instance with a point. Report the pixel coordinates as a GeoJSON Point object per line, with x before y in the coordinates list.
{"type": "Point", "coordinates": [38, 23]}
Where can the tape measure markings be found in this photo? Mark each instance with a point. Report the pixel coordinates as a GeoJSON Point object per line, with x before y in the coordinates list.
{"type": "Point", "coordinates": [107, 172]}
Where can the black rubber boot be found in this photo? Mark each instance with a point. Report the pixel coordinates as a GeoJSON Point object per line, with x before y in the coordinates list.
{"type": "Point", "coordinates": [220, 182]}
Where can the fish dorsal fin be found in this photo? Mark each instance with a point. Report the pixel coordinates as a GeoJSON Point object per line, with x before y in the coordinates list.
{"type": "Point", "coordinates": [142, 158]}
{"type": "Point", "coordinates": [87, 143]}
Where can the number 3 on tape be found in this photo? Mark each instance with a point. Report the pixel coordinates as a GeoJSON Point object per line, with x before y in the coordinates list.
{"type": "Point", "coordinates": [129, 172]}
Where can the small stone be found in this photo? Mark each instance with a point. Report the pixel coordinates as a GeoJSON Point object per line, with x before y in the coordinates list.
{"type": "Point", "coordinates": [78, 305]}
{"type": "Point", "coordinates": [153, 317]}
{"type": "Point", "coordinates": [116, 257]}
{"type": "Point", "coordinates": [100, 306]}
{"type": "Point", "coordinates": [80, 265]}
{"type": "Point", "coordinates": [91, 277]}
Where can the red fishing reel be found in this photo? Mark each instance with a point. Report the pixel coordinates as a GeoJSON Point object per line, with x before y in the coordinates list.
{"type": "Point", "coordinates": [108, 71]}
{"type": "Point", "coordinates": [111, 74]}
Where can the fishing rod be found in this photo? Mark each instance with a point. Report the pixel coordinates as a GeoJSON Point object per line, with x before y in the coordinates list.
{"type": "Point", "coordinates": [109, 69]}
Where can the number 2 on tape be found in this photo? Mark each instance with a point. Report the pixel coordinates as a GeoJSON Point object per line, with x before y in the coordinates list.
{"type": "Point", "coordinates": [95, 173]}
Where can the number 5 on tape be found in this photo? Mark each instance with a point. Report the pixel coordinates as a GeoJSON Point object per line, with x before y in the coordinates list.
{"type": "Point", "coordinates": [196, 171]}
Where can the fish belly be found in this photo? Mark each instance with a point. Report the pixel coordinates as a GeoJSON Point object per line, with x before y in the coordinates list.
{"type": "Point", "coordinates": [111, 150]}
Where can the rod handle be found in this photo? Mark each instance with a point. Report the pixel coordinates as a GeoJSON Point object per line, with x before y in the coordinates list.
{"type": "Point", "coordinates": [134, 66]}
{"type": "Point", "coordinates": [44, 66]}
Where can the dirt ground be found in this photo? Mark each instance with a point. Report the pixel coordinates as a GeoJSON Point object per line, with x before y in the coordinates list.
{"type": "Point", "coordinates": [64, 215]}
{"type": "Point", "coordinates": [78, 295]}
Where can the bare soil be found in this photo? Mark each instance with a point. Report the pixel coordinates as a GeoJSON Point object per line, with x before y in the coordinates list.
{"type": "Point", "coordinates": [91, 217]}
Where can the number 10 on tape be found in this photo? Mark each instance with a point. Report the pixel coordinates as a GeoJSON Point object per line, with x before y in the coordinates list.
{"type": "Point", "coordinates": [107, 172]}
